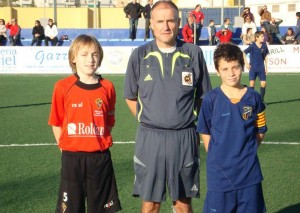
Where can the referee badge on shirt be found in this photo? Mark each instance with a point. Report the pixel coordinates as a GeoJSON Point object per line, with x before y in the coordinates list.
{"type": "Point", "coordinates": [247, 112]}
{"type": "Point", "coordinates": [187, 79]}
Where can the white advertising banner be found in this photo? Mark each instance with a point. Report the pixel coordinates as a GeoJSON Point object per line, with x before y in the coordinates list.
{"type": "Point", "coordinates": [54, 60]}
{"type": "Point", "coordinates": [282, 58]}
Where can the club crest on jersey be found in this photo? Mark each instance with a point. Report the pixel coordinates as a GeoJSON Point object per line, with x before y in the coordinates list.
{"type": "Point", "coordinates": [63, 207]}
{"type": "Point", "coordinates": [99, 102]}
{"type": "Point", "coordinates": [247, 112]}
{"type": "Point", "coordinates": [187, 78]}
{"type": "Point", "coordinates": [108, 205]}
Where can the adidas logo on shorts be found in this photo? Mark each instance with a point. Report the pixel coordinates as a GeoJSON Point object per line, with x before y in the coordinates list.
{"type": "Point", "coordinates": [194, 188]}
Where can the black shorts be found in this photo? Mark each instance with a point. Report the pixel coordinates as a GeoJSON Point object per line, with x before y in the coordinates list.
{"type": "Point", "coordinates": [87, 178]}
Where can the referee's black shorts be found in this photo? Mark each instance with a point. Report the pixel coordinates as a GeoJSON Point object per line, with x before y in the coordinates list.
{"type": "Point", "coordinates": [87, 178]}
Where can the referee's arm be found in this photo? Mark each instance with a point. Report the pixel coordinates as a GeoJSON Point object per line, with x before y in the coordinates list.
{"type": "Point", "coordinates": [132, 105]}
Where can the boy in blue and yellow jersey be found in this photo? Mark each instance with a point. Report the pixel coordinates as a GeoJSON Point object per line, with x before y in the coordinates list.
{"type": "Point", "coordinates": [165, 81]}
{"type": "Point", "coordinates": [258, 66]}
{"type": "Point", "coordinates": [232, 125]}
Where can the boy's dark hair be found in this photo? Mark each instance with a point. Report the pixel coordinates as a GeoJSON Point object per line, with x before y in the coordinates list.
{"type": "Point", "coordinates": [257, 34]}
{"type": "Point", "coordinates": [210, 21]}
{"type": "Point", "coordinates": [197, 5]}
{"type": "Point", "coordinates": [248, 29]}
{"type": "Point", "coordinates": [298, 14]}
{"type": "Point", "coordinates": [226, 20]}
{"type": "Point", "coordinates": [228, 52]}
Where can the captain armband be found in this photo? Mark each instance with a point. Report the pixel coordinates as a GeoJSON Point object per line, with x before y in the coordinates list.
{"type": "Point", "coordinates": [261, 120]}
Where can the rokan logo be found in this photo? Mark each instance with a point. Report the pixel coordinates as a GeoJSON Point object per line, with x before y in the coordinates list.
{"type": "Point", "coordinates": [80, 129]}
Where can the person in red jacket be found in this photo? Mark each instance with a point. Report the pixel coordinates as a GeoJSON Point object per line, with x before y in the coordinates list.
{"type": "Point", "coordinates": [224, 36]}
{"type": "Point", "coordinates": [188, 31]}
{"type": "Point", "coordinates": [198, 17]}
{"type": "Point", "coordinates": [14, 32]}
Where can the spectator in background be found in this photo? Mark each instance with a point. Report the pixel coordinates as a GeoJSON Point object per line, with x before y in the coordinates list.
{"type": "Point", "coordinates": [248, 38]}
{"type": "Point", "coordinates": [258, 66]}
{"type": "Point", "coordinates": [51, 33]}
{"type": "Point", "coordinates": [267, 36]}
{"type": "Point", "coordinates": [133, 12]}
{"type": "Point", "coordinates": [212, 33]}
{"type": "Point", "coordinates": [37, 33]}
{"type": "Point", "coordinates": [227, 25]}
{"type": "Point", "coordinates": [14, 32]}
{"type": "Point", "coordinates": [188, 31]}
{"type": "Point", "coordinates": [224, 36]}
{"type": "Point", "coordinates": [265, 17]}
{"type": "Point", "coordinates": [289, 37]}
{"type": "Point", "coordinates": [198, 17]}
{"type": "Point", "coordinates": [246, 12]}
{"type": "Point", "coordinates": [274, 30]}
{"type": "Point", "coordinates": [248, 24]}
{"type": "Point", "coordinates": [147, 16]}
{"type": "Point", "coordinates": [297, 32]}
{"type": "Point", "coordinates": [2, 32]}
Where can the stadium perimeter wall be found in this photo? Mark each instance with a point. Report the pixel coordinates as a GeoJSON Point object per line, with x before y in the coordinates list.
{"type": "Point", "coordinates": [54, 60]}
{"type": "Point", "coordinates": [68, 17]}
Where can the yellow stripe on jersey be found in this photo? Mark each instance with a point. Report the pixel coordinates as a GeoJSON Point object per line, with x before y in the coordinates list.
{"type": "Point", "coordinates": [140, 112]}
{"type": "Point", "coordinates": [176, 55]}
{"type": "Point", "coordinates": [159, 58]}
{"type": "Point", "coordinates": [261, 119]}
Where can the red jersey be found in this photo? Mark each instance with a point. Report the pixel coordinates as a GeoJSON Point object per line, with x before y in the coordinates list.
{"type": "Point", "coordinates": [188, 33]}
{"type": "Point", "coordinates": [224, 38]}
{"type": "Point", "coordinates": [84, 112]}
{"type": "Point", "coordinates": [198, 15]}
{"type": "Point", "coordinates": [13, 29]}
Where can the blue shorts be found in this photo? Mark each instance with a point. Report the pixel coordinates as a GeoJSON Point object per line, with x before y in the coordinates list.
{"type": "Point", "coordinates": [261, 75]}
{"type": "Point", "coordinates": [246, 200]}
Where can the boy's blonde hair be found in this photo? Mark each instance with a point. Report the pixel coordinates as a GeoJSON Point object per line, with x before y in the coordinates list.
{"type": "Point", "coordinates": [80, 41]}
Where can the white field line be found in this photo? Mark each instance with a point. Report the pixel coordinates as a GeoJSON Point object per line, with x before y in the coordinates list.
{"type": "Point", "coordinates": [132, 142]}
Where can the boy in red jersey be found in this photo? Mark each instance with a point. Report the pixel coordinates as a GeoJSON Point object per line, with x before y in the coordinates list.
{"type": "Point", "coordinates": [82, 116]}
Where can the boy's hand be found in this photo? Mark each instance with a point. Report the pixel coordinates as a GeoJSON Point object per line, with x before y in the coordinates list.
{"type": "Point", "coordinates": [248, 66]}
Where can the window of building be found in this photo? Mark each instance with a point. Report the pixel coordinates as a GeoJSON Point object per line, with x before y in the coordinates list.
{"type": "Point", "coordinates": [291, 7]}
{"type": "Point", "coordinates": [275, 8]}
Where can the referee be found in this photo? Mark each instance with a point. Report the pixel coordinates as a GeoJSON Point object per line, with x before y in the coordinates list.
{"type": "Point", "coordinates": [165, 81]}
